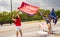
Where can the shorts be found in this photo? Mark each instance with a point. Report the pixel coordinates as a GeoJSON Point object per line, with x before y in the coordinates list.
{"type": "Point", "coordinates": [47, 22]}
{"type": "Point", "coordinates": [18, 28]}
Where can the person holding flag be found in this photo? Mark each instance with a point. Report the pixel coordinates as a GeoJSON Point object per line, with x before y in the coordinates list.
{"type": "Point", "coordinates": [17, 22]}
{"type": "Point", "coordinates": [48, 21]}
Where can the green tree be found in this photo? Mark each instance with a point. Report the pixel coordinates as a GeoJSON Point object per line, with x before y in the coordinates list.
{"type": "Point", "coordinates": [58, 13]}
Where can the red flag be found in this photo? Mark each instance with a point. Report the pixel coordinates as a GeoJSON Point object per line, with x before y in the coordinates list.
{"type": "Point", "coordinates": [27, 8]}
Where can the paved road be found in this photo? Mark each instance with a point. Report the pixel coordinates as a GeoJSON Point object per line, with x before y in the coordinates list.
{"type": "Point", "coordinates": [30, 29]}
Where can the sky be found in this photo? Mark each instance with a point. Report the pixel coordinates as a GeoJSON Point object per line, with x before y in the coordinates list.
{"type": "Point", "coordinates": [43, 4]}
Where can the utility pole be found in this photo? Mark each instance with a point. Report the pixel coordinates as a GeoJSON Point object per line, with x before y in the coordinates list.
{"type": "Point", "coordinates": [11, 4]}
{"type": "Point", "coordinates": [11, 11]}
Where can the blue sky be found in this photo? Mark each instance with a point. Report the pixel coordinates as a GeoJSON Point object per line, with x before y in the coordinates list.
{"type": "Point", "coordinates": [43, 4]}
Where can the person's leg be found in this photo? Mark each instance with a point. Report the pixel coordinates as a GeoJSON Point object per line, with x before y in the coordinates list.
{"type": "Point", "coordinates": [49, 28]}
{"type": "Point", "coordinates": [17, 29]}
{"type": "Point", "coordinates": [16, 33]}
{"type": "Point", "coordinates": [20, 32]}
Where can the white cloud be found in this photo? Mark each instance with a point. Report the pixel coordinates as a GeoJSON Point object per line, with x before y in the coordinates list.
{"type": "Point", "coordinates": [44, 4]}
{"type": "Point", "coordinates": [4, 5]}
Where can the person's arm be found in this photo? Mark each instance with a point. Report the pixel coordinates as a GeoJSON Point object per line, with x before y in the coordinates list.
{"type": "Point", "coordinates": [18, 15]}
{"type": "Point", "coordinates": [13, 18]}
